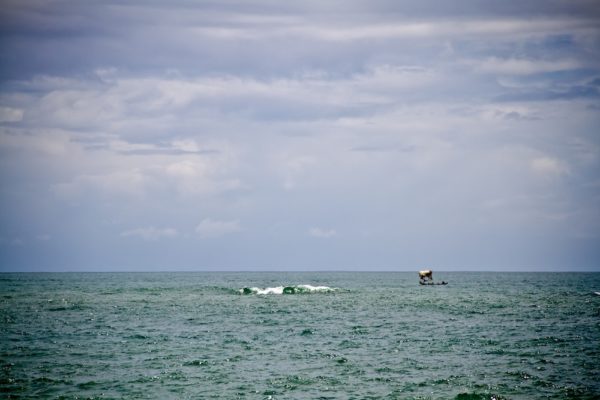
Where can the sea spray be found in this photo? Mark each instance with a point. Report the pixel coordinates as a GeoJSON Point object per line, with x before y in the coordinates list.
{"type": "Point", "coordinates": [296, 289]}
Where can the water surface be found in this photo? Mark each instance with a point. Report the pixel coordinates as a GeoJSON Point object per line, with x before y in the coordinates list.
{"type": "Point", "coordinates": [377, 335]}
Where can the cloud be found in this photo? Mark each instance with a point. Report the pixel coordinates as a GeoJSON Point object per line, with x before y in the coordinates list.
{"type": "Point", "coordinates": [209, 228]}
{"type": "Point", "coordinates": [563, 92]}
{"type": "Point", "coordinates": [186, 169]}
{"type": "Point", "coordinates": [151, 233]}
{"type": "Point", "coordinates": [201, 177]}
{"type": "Point", "coordinates": [293, 167]}
{"type": "Point", "coordinates": [322, 233]}
{"type": "Point", "coordinates": [363, 29]}
{"type": "Point", "coordinates": [548, 166]}
{"type": "Point", "coordinates": [383, 148]}
{"type": "Point", "coordinates": [279, 113]}
{"type": "Point", "coordinates": [127, 105]}
{"type": "Point", "coordinates": [128, 183]}
{"type": "Point", "coordinates": [515, 66]}
{"type": "Point", "coordinates": [8, 114]}
{"type": "Point", "coordinates": [175, 147]}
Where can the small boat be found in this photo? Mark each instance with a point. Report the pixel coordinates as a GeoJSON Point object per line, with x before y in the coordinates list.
{"type": "Point", "coordinates": [426, 278]}
{"type": "Point", "coordinates": [433, 283]}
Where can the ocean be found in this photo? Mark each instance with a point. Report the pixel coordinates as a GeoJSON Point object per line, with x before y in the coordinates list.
{"type": "Point", "coordinates": [343, 335]}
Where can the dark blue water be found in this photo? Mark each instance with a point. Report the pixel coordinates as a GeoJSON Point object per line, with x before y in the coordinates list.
{"type": "Point", "coordinates": [375, 335]}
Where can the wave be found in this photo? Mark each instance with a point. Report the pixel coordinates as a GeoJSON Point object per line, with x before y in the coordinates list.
{"type": "Point", "coordinates": [297, 289]}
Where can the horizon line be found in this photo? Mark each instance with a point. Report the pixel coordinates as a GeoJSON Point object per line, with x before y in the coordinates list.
{"type": "Point", "coordinates": [296, 270]}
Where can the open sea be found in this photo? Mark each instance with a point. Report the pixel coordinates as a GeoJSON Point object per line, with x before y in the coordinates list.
{"type": "Point", "coordinates": [343, 335]}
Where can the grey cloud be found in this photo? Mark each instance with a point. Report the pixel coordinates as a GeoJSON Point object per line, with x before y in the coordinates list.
{"type": "Point", "coordinates": [158, 149]}
{"type": "Point", "coordinates": [574, 92]}
{"type": "Point", "coordinates": [205, 37]}
{"type": "Point", "coordinates": [517, 116]}
{"type": "Point", "coordinates": [380, 148]}
{"type": "Point", "coordinates": [167, 151]}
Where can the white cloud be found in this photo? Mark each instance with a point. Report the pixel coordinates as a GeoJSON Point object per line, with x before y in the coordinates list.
{"type": "Point", "coordinates": [128, 183]}
{"type": "Point", "coordinates": [334, 31]}
{"type": "Point", "coordinates": [8, 114]}
{"type": "Point", "coordinates": [202, 177]}
{"type": "Point", "coordinates": [322, 233]}
{"type": "Point", "coordinates": [209, 228]}
{"type": "Point", "coordinates": [129, 105]}
{"type": "Point", "coordinates": [187, 169]}
{"type": "Point", "coordinates": [292, 167]}
{"type": "Point", "coordinates": [548, 166]}
{"type": "Point", "coordinates": [515, 66]}
{"type": "Point", "coordinates": [151, 233]}
{"type": "Point", "coordinates": [188, 145]}
{"type": "Point", "coordinates": [123, 146]}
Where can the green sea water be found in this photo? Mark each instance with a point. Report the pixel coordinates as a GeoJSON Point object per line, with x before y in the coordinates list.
{"type": "Point", "coordinates": [371, 336]}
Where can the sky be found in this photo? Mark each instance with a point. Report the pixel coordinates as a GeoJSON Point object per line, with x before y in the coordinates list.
{"type": "Point", "coordinates": [310, 135]}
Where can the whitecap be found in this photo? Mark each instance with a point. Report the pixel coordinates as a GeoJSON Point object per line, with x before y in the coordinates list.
{"type": "Point", "coordinates": [295, 289]}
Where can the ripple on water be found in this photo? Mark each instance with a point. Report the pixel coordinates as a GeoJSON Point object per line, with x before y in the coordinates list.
{"type": "Point", "coordinates": [195, 336]}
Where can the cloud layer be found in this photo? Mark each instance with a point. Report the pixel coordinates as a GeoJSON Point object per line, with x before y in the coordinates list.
{"type": "Point", "coordinates": [243, 135]}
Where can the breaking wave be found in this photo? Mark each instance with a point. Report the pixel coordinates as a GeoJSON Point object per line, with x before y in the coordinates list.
{"type": "Point", "coordinates": [297, 289]}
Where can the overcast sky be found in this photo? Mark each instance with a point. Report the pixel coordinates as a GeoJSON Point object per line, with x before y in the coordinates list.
{"type": "Point", "coordinates": [236, 135]}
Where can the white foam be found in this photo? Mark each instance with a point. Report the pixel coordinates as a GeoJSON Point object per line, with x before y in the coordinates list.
{"type": "Point", "coordinates": [270, 290]}
{"type": "Point", "coordinates": [315, 288]}
{"type": "Point", "coordinates": [280, 289]}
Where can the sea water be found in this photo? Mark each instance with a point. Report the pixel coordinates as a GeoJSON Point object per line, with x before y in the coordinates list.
{"type": "Point", "coordinates": [342, 336]}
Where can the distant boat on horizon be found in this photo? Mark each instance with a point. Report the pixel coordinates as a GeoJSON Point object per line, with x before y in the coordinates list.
{"type": "Point", "coordinates": [426, 278]}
